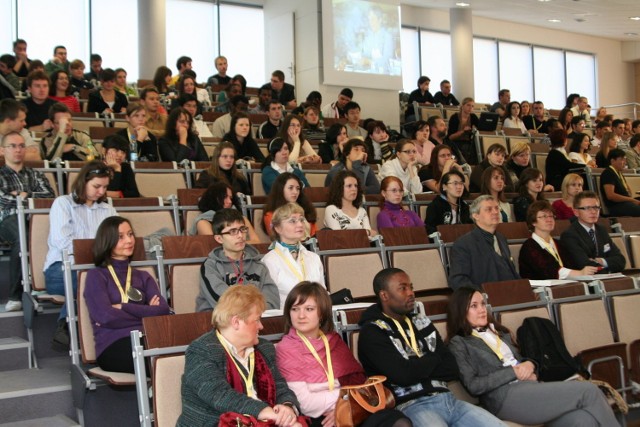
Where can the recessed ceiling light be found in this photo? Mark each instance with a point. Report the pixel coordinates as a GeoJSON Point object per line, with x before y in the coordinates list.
{"type": "Point", "coordinates": [635, 18]}
{"type": "Point", "coordinates": [631, 34]}
{"type": "Point", "coordinates": [544, 1]}
{"type": "Point", "coordinates": [462, 4]}
{"type": "Point", "coordinates": [554, 21]}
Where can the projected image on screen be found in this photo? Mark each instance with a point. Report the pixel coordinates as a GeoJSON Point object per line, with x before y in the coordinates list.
{"type": "Point", "coordinates": [366, 37]}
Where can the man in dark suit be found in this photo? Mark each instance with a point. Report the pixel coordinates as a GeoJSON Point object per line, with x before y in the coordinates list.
{"type": "Point", "coordinates": [588, 243]}
{"type": "Point", "coordinates": [482, 255]}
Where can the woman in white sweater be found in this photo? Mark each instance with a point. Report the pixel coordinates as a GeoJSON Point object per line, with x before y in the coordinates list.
{"type": "Point", "coordinates": [404, 167]}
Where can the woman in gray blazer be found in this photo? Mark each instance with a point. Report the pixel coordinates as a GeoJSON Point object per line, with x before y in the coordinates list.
{"type": "Point", "coordinates": [507, 385]}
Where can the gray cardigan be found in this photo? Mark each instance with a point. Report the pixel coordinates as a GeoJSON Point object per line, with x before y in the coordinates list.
{"type": "Point", "coordinates": [481, 371]}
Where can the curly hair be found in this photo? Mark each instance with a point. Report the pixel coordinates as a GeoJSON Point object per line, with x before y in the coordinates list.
{"type": "Point", "coordinates": [336, 191]}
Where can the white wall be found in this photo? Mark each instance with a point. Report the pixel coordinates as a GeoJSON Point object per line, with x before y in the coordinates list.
{"type": "Point", "coordinates": [614, 75]}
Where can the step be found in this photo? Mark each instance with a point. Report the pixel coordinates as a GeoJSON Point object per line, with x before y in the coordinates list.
{"type": "Point", "coordinates": [55, 421]}
{"type": "Point", "coordinates": [12, 343]}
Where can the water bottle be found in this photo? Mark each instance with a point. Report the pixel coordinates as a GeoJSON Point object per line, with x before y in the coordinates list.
{"type": "Point", "coordinates": [91, 151]}
{"type": "Point", "coordinates": [133, 149]}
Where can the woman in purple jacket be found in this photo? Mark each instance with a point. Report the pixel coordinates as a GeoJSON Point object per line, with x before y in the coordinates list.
{"type": "Point", "coordinates": [118, 296]}
{"type": "Point", "coordinates": [392, 214]}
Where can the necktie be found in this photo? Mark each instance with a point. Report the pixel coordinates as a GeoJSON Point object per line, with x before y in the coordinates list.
{"type": "Point", "coordinates": [592, 234]}
{"type": "Point", "coordinates": [496, 246]}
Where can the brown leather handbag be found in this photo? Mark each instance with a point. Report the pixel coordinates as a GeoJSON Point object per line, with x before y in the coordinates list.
{"type": "Point", "coordinates": [356, 402]}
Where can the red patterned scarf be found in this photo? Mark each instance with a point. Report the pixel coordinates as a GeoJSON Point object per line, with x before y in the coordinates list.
{"type": "Point", "coordinates": [264, 382]}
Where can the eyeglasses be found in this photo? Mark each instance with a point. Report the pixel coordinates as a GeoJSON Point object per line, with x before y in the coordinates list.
{"type": "Point", "coordinates": [294, 221]}
{"type": "Point", "coordinates": [409, 152]}
{"type": "Point", "coordinates": [588, 208]}
{"type": "Point", "coordinates": [15, 146]}
{"type": "Point", "coordinates": [456, 183]}
{"type": "Point", "coordinates": [546, 217]}
{"type": "Point", "coordinates": [235, 231]}
{"type": "Point", "coordinates": [395, 190]}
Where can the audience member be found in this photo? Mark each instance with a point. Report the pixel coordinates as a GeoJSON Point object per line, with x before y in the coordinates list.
{"type": "Point", "coordinates": [579, 150]}
{"type": "Point", "coordinates": [377, 142]}
{"type": "Point", "coordinates": [281, 91]}
{"type": "Point", "coordinates": [288, 188]}
{"type": "Point", "coordinates": [232, 264]}
{"type": "Point", "coordinates": [7, 63]}
{"type": "Point", "coordinates": [405, 347]}
{"type": "Point", "coordinates": [442, 161]}
{"type": "Point", "coordinates": [618, 129]}
{"type": "Point", "coordinates": [482, 255]}
{"type": "Point", "coordinates": [344, 209]}
{"type": "Point", "coordinates": [577, 126]}
{"type": "Point", "coordinates": [330, 149]}
{"type": "Point", "coordinates": [118, 297]}
{"type": "Point", "coordinates": [269, 129]}
{"type": "Point", "coordinates": [123, 181]}
{"type": "Point", "coordinates": [21, 68]}
{"type": "Point", "coordinates": [224, 97]}
{"type": "Point", "coordinates": [187, 86]}
{"type": "Point", "coordinates": [512, 118]}
{"type": "Point", "coordinates": [288, 261]}
{"type": "Point", "coordinates": [60, 91]}
{"type": "Point", "coordinates": [496, 154]}
{"type": "Point", "coordinates": [75, 216]}
{"type": "Point", "coordinates": [541, 257]}
{"type": "Point", "coordinates": [201, 94]}
{"type": "Point", "coordinates": [179, 141]}
{"type": "Point", "coordinates": [558, 163]}
{"type": "Point", "coordinates": [314, 99]}
{"type": "Point", "coordinates": [336, 110]}
{"type": "Point", "coordinates": [190, 103]}
{"type": "Point", "coordinates": [213, 382]}
{"type": "Point", "coordinates": [156, 121]}
{"type": "Point", "coordinates": [59, 60]}
{"type": "Point", "coordinates": [183, 64]}
{"type": "Point", "coordinates": [63, 141]}
{"type": "Point", "coordinates": [506, 383]}
{"type": "Point", "coordinates": [95, 68]}
{"type": "Point", "coordinates": [146, 144]}
{"type": "Point", "coordinates": [571, 186]}
{"type": "Point", "coordinates": [354, 158]}
{"type": "Point", "coordinates": [633, 153]}
{"type": "Point", "coordinates": [218, 196]}
{"type": "Point", "coordinates": [392, 214]}
{"type": "Point", "coordinates": [525, 109]}
{"type": "Point", "coordinates": [565, 117]}
{"type": "Point", "coordinates": [403, 165]}
{"type": "Point", "coordinates": [352, 112]}
{"type": "Point", "coordinates": [504, 98]}
{"type": "Point", "coordinates": [448, 208]}
{"type": "Point", "coordinates": [301, 150]}
{"type": "Point", "coordinates": [445, 97]}
{"type": "Point", "coordinates": [78, 82]}
{"type": "Point", "coordinates": [223, 124]}
{"type": "Point", "coordinates": [12, 119]}
{"type": "Point", "coordinates": [311, 344]}
{"type": "Point", "coordinates": [601, 128]}
{"type": "Point", "coordinates": [107, 99]}
{"type": "Point", "coordinates": [239, 135]}
{"type": "Point", "coordinates": [600, 114]}
{"type": "Point", "coordinates": [162, 81]}
{"type": "Point", "coordinates": [221, 78]}
{"type": "Point", "coordinates": [493, 184]}
{"type": "Point", "coordinates": [420, 138]}
{"type": "Point", "coordinates": [615, 191]}
{"type": "Point", "coordinates": [608, 143]}
{"type": "Point", "coordinates": [312, 127]}
{"type": "Point", "coordinates": [421, 95]}
{"type": "Point", "coordinates": [438, 136]}
{"type": "Point", "coordinates": [461, 127]}
{"type": "Point", "coordinates": [588, 243]}
{"type": "Point", "coordinates": [16, 179]}
{"type": "Point", "coordinates": [536, 122]}
{"type": "Point", "coordinates": [223, 168]}
{"type": "Point", "coordinates": [121, 84]}
{"type": "Point", "coordinates": [278, 162]}
{"type": "Point", "coordinates": [572, 100]}
{"type": "Point", "coordinates": [519, 160]}
{"type": "Point", "coordinates": [39, 103]}
{"type": "Point", "coordinates": [530, 189]}
{"type": "Point", "coordinates": [582, 110]}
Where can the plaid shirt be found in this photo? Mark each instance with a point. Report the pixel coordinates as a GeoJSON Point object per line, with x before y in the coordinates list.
{"type": "Point", "coordinates": [28, 180]}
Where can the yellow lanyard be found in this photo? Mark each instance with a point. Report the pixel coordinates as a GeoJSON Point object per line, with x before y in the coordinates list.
{"type": "Point", "coordinates": [329, 369]}
{"type": "Point", "coordinates": [412, 335]}
{"type": "Point", "coordinates": [621, 177]}
{"type": "Point", "coordinates": [553, 250]}
{"type": "Point", "coordinates": [292, 267]}
{"type": "Point", "coordinates": [497, 349]}
{"type": "Point", "coordinates": [248, 381]}
{"type": "Point", "coordinates": [123, 292]}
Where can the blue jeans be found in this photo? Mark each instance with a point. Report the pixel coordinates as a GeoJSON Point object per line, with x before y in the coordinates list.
{"type": "Point", "coordinates": [54, 280]}
{"type": "Point", "coordinates": [443, 410]}
{"type": "Point", "coordinates": [9, 233]}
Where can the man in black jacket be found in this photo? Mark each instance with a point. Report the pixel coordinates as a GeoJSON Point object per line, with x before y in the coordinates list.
{"type": "Point", "coordinates": [407, 349]}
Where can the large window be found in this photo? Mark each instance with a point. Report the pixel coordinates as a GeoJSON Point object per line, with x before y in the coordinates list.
{"type": "Point", "coordinates": [6, 33]}
{"type": "Point", "coordinates": [111, 29]}
{"type": "Point", "coordinates": [435, 50]}
{"type": "Point", "coordinates": [516, 71]}
{"type": "Point", "coordinates": [548, 69]}
{"type": "Point", "coordinates": [410, 44]}
{"type": "Point", "coordinates": [485, 70]}
{"type": "Point", "coordinates": [581, 75]}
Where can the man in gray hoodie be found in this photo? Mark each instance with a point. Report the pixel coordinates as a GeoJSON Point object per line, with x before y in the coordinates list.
{"type": "Point", "coordinates": [233, 263]}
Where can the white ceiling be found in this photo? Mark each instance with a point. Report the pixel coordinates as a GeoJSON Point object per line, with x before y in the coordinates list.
{"type": "Point", "coordinates": [601, 18]}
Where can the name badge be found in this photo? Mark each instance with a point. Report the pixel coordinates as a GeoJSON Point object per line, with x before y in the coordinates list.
{"type": "Point", "coordinates": [607, 247]}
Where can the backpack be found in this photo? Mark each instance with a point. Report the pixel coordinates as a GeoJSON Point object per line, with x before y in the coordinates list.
{"type": "Point", "coordinates": [540, 341]}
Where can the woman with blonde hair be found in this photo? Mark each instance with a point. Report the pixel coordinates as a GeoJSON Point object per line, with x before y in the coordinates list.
{"type": "Point", "coordinates": [232, 369]}
{"type": "Point", "coordinates": [288, 261]}
{"type": "Point", "coordinates": [461, 126]}
{"type": "Point", "coordinates": [571, 186]}
{"type": "Point", "coordinates": [609, 142]}
{"type": "Point", "coordinates": [519, 160]}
